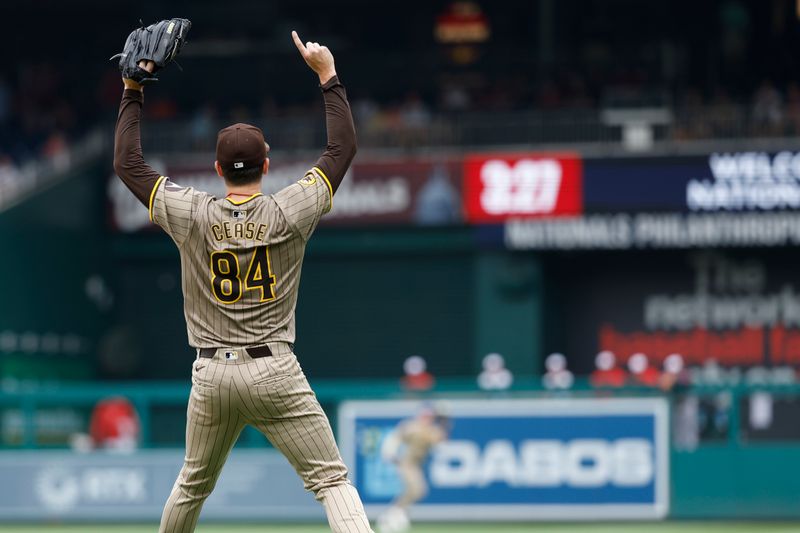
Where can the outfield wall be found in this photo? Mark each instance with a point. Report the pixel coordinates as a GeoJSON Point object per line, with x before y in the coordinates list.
{"type": "Point", "coordinates": [527, 459]}
{"type": "Point", "coordinates": [104, 487]}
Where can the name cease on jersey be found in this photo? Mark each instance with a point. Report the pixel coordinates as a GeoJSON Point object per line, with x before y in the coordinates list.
{"type": "Point", "coordinates": [498, 187]}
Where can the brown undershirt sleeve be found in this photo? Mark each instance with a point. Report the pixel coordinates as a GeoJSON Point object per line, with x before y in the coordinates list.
{"type": "Point", "coordinates": [341, 146]}
{"type": "Point", "coordinates": [129, 162]}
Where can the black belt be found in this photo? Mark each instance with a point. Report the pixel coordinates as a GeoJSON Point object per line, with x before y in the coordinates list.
{"type": "Point", "coordinates": [255, 352]}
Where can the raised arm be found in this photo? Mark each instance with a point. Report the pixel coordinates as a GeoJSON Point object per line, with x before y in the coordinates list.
{"type": "Point", "coordinates": [129, 162]}
{"type": "Point", "coordinates": [341, 147]}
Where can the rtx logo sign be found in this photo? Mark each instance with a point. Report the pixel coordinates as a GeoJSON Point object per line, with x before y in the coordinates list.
{"type": "Point", "coordinates": [522, 186]}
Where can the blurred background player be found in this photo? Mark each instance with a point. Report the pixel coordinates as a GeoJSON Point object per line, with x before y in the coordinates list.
{"type": "Point", "coordinates": [114, 425]}
{"type": "Point", "coordinates": [495, 375]}
{"type": "Point", "coordinates": [607, 373]}
{"type": "Point", "coordinates": [408, 447]}
{"type": "Point", "coordinates": [416, 375]}
{"type": "Point", "coordinates": [556, 375]}
{"type": "Point", "coordinates": [674, 374]}
{"type": "Point", "coordinates": [642, 372]}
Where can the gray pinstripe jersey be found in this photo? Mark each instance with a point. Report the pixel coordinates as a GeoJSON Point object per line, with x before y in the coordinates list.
{"type": "Point", "coordinates": [241, 260]}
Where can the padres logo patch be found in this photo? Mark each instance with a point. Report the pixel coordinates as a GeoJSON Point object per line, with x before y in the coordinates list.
{"type": "Point", "coordinates": [308, 180]}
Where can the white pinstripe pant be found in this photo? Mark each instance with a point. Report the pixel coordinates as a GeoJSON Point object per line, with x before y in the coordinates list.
{"type": "Point", "coordinates": [273, 395]}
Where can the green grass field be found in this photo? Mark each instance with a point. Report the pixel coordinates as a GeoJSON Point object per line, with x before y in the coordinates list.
{"type": "Point", "coordinates": [662, 527]}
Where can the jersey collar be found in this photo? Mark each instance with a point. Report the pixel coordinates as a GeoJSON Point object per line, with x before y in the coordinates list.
{"type": "Point", "coordinates": [240, 202]}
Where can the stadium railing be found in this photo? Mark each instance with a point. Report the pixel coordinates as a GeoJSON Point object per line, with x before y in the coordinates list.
{"type": "Point", "coordinates": [24, 427]}
{"type": "Point", "coordinates": [490, 128]}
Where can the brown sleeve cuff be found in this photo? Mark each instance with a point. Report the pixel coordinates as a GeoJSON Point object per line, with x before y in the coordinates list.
{"type": "Point", "coordinates": [133, 94]}
{"type": "Point", "coordinates": [331, 83]}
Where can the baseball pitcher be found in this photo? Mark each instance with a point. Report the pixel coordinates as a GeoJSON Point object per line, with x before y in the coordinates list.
{"type": "Point", "coordinates": [240, 263]}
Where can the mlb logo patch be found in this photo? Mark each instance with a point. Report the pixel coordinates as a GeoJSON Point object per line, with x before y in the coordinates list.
{"type": "Point", "coordinates": [231, 356]}
{"type": "Point", "coordinates": [239, 215]}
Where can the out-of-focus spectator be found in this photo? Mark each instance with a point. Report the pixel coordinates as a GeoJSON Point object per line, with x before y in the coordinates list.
{"type": "Point", "coordinates": [674, 373]}
{"type": "Point", "coordinates": [10, 177]}
{"type": "Point", "coordinates": [724, 117]}
{"type": "Point", "coordinates": [642, 373]}
{"type": "Point", "coordinates": [761, 410]}
{"type": "Point", "coordinates": [388, 119]}
{"type": "Point", "coordinates": [364, 110]}
{"type": "Point", "coordinates": [55, 145]}
{"type": "Point", "coordinates": [455, 97]}
{"type": "Point", "coordinates": [767, 109]}
{"type": "Point", "coordinates": [414, 113]}
{"type": "Point", "coordinates": [416, 375]}
{"type": "Point", "coordinates": [690, 127]}
{"type": "Point", "coordinates": [202, 127]}
{"type": "Point", "coordinates": [115, 425]}
{"type": "Point", "coordinates": [607, 373]}
{"type": "Point", "coordinates": [495, 375]}
{"type": "Point", "coordinates": [713, 416]}
{"type": "Point", "coordinates": [56, 150]}
{"type": "Point", "coordinates": [686, 422]}
{"type": "Point", "coordinates": [557, 376]}
{"type": "Point", "coordinates": [370, 116]}
{"type": "Point", "coordinates": [711, 373]}
{"type": "Point", "coordinates": [438, 202]}
{"type": "Point", "coordinates": [162, 108]}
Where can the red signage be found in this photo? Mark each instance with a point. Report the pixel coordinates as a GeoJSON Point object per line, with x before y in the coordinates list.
{"type": "Point", "coordinates": [737, 347]}
{"type": "Point", "coordinates": [502, 186]}
{"type": "Point", "coordinates": [425, 192]}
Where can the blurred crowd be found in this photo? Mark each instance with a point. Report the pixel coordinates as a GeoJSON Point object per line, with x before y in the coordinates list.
{"type": "Point", "coordinates": [770, 112]}
{"type": "Point", "coordinates": [638, 370]}
{"type": "Point", "coordinates": [40, 115]}
{"type": "Point", "coordinates": [44, 108]}
{"type": "Point", "coordinates": [667, 373]}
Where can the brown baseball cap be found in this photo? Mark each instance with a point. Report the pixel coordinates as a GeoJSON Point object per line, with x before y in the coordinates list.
{"type": "Point", "coordinates": [241, 146]}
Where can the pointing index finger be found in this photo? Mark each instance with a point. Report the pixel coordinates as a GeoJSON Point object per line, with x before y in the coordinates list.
{"type": "Point", "coordinates": [298, 43]}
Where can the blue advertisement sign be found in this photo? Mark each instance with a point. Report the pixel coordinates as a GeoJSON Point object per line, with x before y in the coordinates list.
{"type": "Point", "coordinates": [717, 182]}
{"type": "Point", "coordinates": [520, 459]}
{"type": "Point", "coordinates": [646, 184]}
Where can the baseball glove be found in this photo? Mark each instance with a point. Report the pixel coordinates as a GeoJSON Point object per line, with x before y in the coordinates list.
{"type": "Point", "coordinates": [160, 43]}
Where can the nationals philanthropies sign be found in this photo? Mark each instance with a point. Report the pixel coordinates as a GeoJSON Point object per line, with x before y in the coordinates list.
{"type": "Point", "coordinates": [502, 186]}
